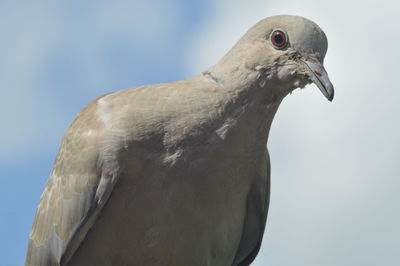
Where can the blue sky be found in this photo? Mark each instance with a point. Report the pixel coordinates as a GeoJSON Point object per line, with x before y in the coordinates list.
{"type": "Point", "coordinates": [335, 174]}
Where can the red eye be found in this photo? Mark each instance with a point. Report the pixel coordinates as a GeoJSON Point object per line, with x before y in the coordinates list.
{"type": "Point", "coordinates": [278, 39]}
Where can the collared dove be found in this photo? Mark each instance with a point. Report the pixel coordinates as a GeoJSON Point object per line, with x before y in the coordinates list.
{"type": "Point", "coordinates": [177, 174]}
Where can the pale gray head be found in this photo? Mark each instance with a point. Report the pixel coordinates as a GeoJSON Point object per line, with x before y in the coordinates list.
{"type": "Point", "coordinates": [285, 50]}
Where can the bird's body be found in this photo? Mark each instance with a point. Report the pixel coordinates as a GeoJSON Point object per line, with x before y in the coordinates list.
{"type": "Point", "coordinates": [168, 174]}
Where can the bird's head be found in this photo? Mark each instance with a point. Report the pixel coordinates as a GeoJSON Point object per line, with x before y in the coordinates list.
{"type": "Point", "coordinates": [286, 50]}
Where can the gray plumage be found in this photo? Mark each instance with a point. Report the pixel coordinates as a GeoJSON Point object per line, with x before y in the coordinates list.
{"type": "Point", "coordinates": [177, 173]}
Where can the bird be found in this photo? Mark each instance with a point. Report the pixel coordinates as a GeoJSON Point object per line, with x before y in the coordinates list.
{"type": "Point", "coordinates": [178, 173]}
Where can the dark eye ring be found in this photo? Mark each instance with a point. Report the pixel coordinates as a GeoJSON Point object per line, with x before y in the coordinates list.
{"type": "Point", "coordinates": [279, 39]}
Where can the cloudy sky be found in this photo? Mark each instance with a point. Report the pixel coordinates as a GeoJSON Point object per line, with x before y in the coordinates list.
{"type": "Point", "coordinates": [335, 171]}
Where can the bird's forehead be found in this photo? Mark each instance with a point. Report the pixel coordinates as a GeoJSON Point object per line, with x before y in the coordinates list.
{"type": "Point", "coordinates": [304, 35]}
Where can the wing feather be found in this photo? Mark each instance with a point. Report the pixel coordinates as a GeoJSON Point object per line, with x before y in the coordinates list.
{"type": "Point", "coordinates": [78, 187]}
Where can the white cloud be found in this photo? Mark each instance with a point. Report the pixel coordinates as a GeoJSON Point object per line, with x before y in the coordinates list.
{"type": "Point", "coordinates": [333, 165]}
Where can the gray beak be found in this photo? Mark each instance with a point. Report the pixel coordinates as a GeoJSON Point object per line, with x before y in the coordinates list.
{"type": "Point", "coordinates": [319, 77]}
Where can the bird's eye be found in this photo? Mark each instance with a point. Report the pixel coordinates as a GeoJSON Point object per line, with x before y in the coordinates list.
{"type": "Point", "coordinates": [278, 39]}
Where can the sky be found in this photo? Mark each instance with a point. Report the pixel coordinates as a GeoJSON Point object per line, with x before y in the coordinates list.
{"type": "Point", "coordinates": [335, 174]}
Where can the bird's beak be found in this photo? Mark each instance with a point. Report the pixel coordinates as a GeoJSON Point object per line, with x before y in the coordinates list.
{"type": "Point", "coordinates": [319, 77]}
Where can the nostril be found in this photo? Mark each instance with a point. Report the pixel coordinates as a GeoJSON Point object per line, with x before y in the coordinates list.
{"type": "Point", "coordinates": [318, 73]}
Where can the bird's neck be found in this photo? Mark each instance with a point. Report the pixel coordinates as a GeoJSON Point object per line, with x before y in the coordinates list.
{"type": "Point", "coordinates": [252, 101]}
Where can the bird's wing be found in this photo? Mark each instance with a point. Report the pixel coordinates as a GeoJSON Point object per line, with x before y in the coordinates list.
{"type": "Point", "coordinates": [79, 185]}
{"type": "Point", "coordinates": [256, 216]}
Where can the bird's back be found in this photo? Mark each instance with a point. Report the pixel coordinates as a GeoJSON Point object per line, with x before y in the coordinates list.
{"type": "Point", "coordinates": [174, 184]}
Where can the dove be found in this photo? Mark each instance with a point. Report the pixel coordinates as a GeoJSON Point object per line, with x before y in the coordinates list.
{"type": "Point", "coordinates": [177, 173]}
